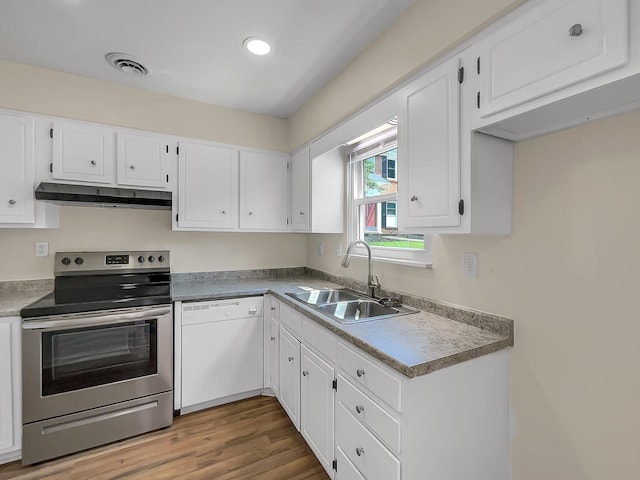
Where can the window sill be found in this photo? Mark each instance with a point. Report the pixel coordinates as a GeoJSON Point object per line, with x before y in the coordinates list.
{"type": "Point", "coordinates": [413, 262]}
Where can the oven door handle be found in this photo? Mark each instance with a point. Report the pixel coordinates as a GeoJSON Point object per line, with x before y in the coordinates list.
{"type": "Point", "coordinates": [95, 321]}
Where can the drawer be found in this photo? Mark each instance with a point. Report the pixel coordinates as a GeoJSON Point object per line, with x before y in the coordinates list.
{"type": "Point", "coordinates": [321, 339]}
{"type": "Point", "coordinates": [346, 469]}
{"type": "Point", "coordinates": [275, 308]}
{"type": "Point", "coordinates": [291, 319]}
{"type": "Point", "coordinates": [369, 413]}
{"type": "Point", "coordinates": [367, 454]}
{"type": "Point", "coordinates": [364, 372]}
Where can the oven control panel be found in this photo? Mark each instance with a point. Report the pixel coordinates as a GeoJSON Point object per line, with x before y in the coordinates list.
{"type": "Point", "coordinates": [70, 263]}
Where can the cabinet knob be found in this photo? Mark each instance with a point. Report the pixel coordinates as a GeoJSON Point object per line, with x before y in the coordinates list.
{"type": "Point", "coordinates": [359, 408]}
{"type": "Point", "coordinates": [132, 167]}
{"type": "Point", "coordinates": [301, 213]}
{"type": "Point", "coordinates": [273, 339]}
{"type": "Point", "coordinates": [413, 198]}
{"type": "Point", "coordinates": [575, 30]}
{"type": "Point", "coordinates": [360, 372]}
{"type": "Point", "coordinates": [12, 202]}
{"type": "Point", "coordinates": [250, 213]}
{"type": "Point", "coordinates": [223, 212]}
{"type": "Point", "coordinates": [291, 359]}
{"type": "Point", "coordinates": [93, 162]}
{"type": "Point", "coordinates": [273, 309]}
{"type": "Point", "coordinates": [253, 310]}
{"type": "Point", "coordinates": [359, 451]}
{"type": "Point", "coordinates": [305, 373]}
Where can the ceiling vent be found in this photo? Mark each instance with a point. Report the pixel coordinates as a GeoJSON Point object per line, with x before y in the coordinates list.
{"type": "Point", "coordinates": [127, 64]}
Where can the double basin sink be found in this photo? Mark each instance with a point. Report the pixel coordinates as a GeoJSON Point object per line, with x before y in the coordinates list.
{"type": "Point", "coordinates": [347, 306]}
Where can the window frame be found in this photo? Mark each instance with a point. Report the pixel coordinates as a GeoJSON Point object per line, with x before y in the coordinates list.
{"type": "Point", "coordinates": [359, 152]}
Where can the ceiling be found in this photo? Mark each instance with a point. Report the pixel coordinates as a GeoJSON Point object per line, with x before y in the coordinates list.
{"type": "Point", "coordinates": [194, 47]}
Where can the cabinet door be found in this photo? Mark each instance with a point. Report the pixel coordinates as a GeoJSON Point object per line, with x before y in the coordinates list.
{"type": "Point", "coordinates": [554, 45]}
{"type": "Point", "coordinates": [16, 169]}
{"type": "Point", "coordinates": [263, 191]}
{"type": "Point", "coordinates": [10, 393]}
{"type": "Point", "coordinates": [316, 407]}
{"type": "Point", "coordinates": [207, 186]}
{"type": "Point", "coordinates": [429, 150]}
{"type": "Point", "coordinates": [289, 364]}
{"type": "Point", "coordinates": [300, 215]}
{"type": "Point", "coordinates": [274, 355]}
{"type": "Point", "coordinates": [82, 152]}
{"type": "Point", "coordinates": [143, 160]}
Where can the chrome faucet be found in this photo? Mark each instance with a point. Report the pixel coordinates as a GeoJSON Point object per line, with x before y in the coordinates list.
{"type": "Point", "coordinates": [371, 284]}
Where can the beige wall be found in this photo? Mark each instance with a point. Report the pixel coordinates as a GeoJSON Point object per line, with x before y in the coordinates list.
{"type": "Point", "coordinates": [423, 33]}
{"type": "Point", "coordinates": [568, 276]}
{"type": "Point", "coordinates": [49, 92]}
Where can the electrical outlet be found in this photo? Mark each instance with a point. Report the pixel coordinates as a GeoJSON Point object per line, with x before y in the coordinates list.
{"type": "Point", "coordinates": [470, 264]}
{"type": "Point", "coordinates": [42, 249]}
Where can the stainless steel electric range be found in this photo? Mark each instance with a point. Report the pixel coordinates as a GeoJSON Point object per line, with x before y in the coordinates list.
{"type": "Point", "coordinates": [97, 353]}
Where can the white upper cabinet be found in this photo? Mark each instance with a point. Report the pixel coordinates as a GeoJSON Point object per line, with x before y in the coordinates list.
{"type": "Point", "coordinates": [207, 187]}
{"type": "Point", "coordinates": [16, 169]}
{"type": "Point", "coordinates": [263, 190]}
{"type": "Point", "coordinates": [143, 160]}
{"type": "Point", "coordinates": [429, 150]}
{"type": "Point", "coordinates": [82, 152]}
{"type": "Point", "coordinates": [300, 191]}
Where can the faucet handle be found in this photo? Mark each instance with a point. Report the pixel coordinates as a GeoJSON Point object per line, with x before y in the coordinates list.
{"type": "Point", "coordinates": [378, 284]}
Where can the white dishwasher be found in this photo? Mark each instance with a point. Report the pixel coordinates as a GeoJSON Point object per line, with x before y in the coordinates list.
{"type": "Point", "coordinates": [222, 351]}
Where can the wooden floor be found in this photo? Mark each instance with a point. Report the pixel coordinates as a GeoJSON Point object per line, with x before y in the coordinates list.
{"type": "Point", "coordinates": [251, 439]}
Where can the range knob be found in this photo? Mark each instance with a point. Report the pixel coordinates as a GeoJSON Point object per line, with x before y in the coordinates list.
{"type": "Point", "coordinates": [140, 259]}
{"type": "Point", "coordinates": [161, 258]}
{"type": "Point", "coordinates": [66, 261]}
{"type": "Point", "coordinates": [79, 261]}
{"type": "Point", "coordinates": [152, 258]}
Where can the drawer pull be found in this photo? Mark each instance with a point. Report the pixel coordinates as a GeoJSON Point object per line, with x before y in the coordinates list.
{"type": "Point", "coordinates": [12, 202]}
{"type": "Point", "coordinates": [360, 372]}
{"type": "Point", "coordinates": [359, 408]}
{"type": "Point", "coordinates": [273, 309]}
{"type": "Point", "coordinates": [359, 451]}
{"type": "Point", "coordinates": [291, 359]}
{"type": "Point", "coordinates": [273, 338]}
{"type": "Point", "coordinates": [93, 162]}
{"type": "Point", "coordinates": [575, 30]}
{"type": "Point", "coordinates": [305, 373]}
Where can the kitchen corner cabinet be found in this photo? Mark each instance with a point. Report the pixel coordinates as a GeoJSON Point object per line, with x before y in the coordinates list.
{"type": "Point", "coordinates": [264, 197]}
{"type": "Point", "coordinates": [452, 180]}
{"type": "Point", "coordinates": [550, 47]}
{"type": "Point", "coordinates": [300, 191]}
{"type": "Point", "coordinates": [16, 169]}
{"type": "Point", "coordinates": [271, 343]}
{"type": "Point", "coordinates": [143, 160]}
{"type": "Point", "coordinates": [207, 196]}
{"type": "Point", "coordinates": [82, 152]}
{"type": "Point", "coordinates": [289, 366]}
{"type": "Point", "coordinates": [11, 389]}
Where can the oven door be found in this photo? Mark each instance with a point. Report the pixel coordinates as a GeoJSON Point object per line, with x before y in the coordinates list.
{"type": "Point", "coordinates": [87, 361]}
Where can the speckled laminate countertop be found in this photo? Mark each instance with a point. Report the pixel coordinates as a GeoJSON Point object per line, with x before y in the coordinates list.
{"type": "Point", "coordinates": [414, 344]}
{"type": "Point", "coordinates": [16, 295]}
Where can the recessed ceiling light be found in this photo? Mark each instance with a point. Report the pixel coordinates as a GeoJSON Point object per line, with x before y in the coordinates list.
{"type": "Point", "coordinates": [256, 45]}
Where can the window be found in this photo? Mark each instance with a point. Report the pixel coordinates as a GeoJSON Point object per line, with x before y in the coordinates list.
{"type": "Point", "coordinates": [373, 200]}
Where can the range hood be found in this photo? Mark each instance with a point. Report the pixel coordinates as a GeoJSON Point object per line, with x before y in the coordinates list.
{"type": "Point", "coordinates": [65, 194]}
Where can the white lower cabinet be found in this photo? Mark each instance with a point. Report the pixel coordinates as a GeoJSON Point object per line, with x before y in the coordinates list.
{"type": "Point", "coordinates": [221, 351]}
{"type": "Point", "coordinates": [317, 407]}
{"type": "Point", "coordinates": [366, 421]}
{"type": "Point", "coordinates": [10, 389]}
{"type": "Point", "coordinates": [289, 365]}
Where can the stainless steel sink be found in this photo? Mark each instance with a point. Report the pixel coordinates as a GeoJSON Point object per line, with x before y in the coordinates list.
{"type": "Point", "coordinates": [346, 306]}
{"type": "Point", "coordinates": [321, 297]}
